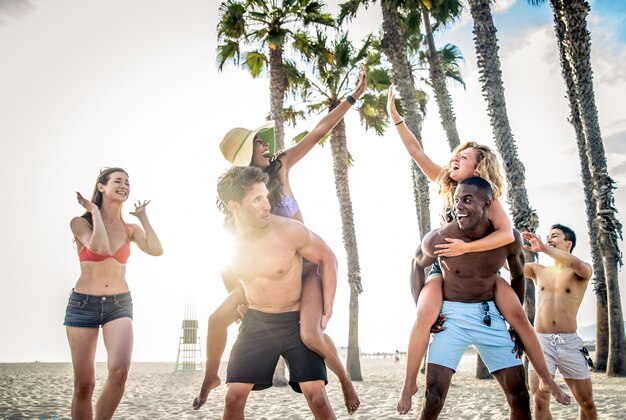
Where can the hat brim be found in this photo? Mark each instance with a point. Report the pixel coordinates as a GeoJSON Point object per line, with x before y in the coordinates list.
{"type": "Point", "coordinates": [266, 133]}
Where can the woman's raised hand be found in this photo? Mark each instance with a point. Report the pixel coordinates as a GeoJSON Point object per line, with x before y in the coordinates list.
{"type": "Point", "coordinates": [360, 87]}
{"type": "Point", "coordinates": [140, 208]}
{"type": "Point", "coordinates": [391, 106]}
{"type": "Point", "coordinates": [87, 205]}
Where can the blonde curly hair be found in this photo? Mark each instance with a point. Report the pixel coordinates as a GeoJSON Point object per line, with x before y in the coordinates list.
{"type": "Point", "coordinates": [487, 167]}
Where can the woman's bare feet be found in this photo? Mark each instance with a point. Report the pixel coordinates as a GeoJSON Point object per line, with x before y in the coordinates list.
{"type": "Point", "coordinates": [350, 398]}
{"type": "Point", "coordinates": [207, 386]}
{"type": "Point", "coordinates": [553, 388]}
{"type": "Point", "coordinates": [404, 403]}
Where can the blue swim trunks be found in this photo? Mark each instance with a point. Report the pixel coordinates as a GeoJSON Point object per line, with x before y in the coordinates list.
{"type": "Point", "coordinates": [464, 326]}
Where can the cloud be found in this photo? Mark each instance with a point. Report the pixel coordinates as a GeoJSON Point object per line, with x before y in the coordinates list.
{"type": "Point", "coordinates": [616, 143]}
{"type": "Point", "coordinates": [608, 51]}
{"type": "Point", "coordinates": [503, 5]}
{"type": "Point", "coordinates": [618, 170]}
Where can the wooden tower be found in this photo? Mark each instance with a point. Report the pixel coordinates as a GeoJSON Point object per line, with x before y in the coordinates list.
{"type": "Point", "coordinates": [189, 347]}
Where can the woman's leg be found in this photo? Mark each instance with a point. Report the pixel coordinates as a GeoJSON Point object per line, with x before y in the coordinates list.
{"type": "Point", "coordinates": [83, 349]}
{"type": "Point", "coordinates": [428, 309]}
{"type": "Point", "coordinates": [217, 333]}
{"type": "Point", "coordinates": [311, 308]}
{"type": "Point", "coordinates": [510, 307]}
{"type": "Point", "coordinates": [118, 340]}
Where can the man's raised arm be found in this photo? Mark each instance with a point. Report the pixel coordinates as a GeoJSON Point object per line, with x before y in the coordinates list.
{"type": "Point", "coordinates": [582, 269]}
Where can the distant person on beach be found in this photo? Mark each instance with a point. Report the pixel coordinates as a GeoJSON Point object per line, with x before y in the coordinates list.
{"type": "Point", "coordinates": [268, 258]}
{"type": "Point", "coordinates": [469, 159]}
{"type": "Point", "coordinates": [397, 357]}
{"type": "Point", "coordinates": [243, 147]}
{"type": "Point", "coordinates": [469, 307]}
{"type": "Point", "coordinates": [101, 297]}
{"type": "Point", "coordinates": [560, 290]}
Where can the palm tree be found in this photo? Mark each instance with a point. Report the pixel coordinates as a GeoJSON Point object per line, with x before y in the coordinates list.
{"type": "Point", "coordinates": [443, 13]}
{"type": "Point", "coordinates": [602, 328]}
{"type": "Point", "coordinates": [575, 46]}
{"type": "Point", "coordinates": [524, 217]}
{"type": "Point", "coordinates": [268, 27]}
{"type": "Point", "coordinates": [325, 89]}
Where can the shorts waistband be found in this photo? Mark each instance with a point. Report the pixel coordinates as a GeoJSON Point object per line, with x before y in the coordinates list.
{"type": "Point", "coordinates": [121, 297]}
{"type": "Point", "coordinates": [273, 316]}
{"type": "Point", "coordinates": [558, 338]}
{"type": "Point", "coordinates": [467, 307]}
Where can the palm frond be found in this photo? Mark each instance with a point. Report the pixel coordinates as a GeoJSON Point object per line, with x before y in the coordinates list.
{"type": "Point", "coordinates": [255, 62]}
{"type": "Point", "coordinates": [232, 23]}
{"type": "Point", "coordinates": [226, 51]}
{"type": "Point", "coordinates": [348, 9]}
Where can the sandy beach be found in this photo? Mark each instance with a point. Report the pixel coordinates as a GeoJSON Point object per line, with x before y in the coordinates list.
{"type": "Point", "coordinates": [155, 391]}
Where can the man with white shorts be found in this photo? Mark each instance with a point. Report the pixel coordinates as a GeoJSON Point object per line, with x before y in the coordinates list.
{"type": "Point", "coordinates": [560, 290]}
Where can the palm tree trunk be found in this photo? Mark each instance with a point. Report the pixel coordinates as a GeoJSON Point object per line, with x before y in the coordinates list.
{"type": "Point", "coordinates": [278, 85]}
{"type": "Point", "coordinates": [340, 169]}
{"type": "Point", "coordinates": [394, 46]}
{"type": "Point", "coordinates": [486, 43]}
{"type": "Point", "coordinates": [524, 217]}
{"type": "Point", "coordinates": [602, 324]}
{"type": "Point", "coordinates": [578, 52]}
{"type": "Point", "coordinates": [437, 78]}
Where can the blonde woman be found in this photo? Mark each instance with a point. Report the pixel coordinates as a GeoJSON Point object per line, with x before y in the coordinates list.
{"type": "Point", "coordinates": [469, 159]}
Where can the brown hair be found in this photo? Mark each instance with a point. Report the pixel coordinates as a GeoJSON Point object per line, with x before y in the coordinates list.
{"type": "Point", "coordinates": [234, 184]}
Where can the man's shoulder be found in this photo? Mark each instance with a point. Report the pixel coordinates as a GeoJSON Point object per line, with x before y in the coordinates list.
{"type": "Point", "coordinates": [287, 228]}
{"type": "Point", "coordinates": [437, 235]}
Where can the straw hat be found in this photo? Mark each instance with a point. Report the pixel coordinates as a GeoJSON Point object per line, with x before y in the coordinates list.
{"type": "Point", "coordinates": [238, 143]}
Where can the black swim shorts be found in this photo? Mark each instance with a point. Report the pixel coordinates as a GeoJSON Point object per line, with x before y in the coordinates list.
{"type": "Point", "coordinates": [263, 337]}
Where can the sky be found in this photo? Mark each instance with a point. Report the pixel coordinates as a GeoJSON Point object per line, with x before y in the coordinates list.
{"type": "Point", "coordinates": [89, 84]}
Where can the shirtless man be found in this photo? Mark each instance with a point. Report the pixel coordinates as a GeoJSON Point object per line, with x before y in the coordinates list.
{"type": "Point", "coordinates": [267, 258]}
{"type": "Point", "coordinates": [469, 308]}
{"type": "Point", "coordinates": [560, 290]}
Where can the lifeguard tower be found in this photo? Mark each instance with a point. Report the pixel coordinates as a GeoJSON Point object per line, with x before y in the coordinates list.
{"type": "Point", "coordinates": [189, 347]}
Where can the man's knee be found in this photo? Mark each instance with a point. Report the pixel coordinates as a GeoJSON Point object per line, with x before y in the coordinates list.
{"type": "Point", "coordinates": [315, 394]}
{"type": "Point", "coordinates": [234, 399]}
{"type": "Point", "coordinates": [587, 405]}
{"type": "Point", "coordinates": [434, 397]}
{"type": "Point", "coordinates": [541, 400]}
{"type": "Point", "coordinates": [518, 396]}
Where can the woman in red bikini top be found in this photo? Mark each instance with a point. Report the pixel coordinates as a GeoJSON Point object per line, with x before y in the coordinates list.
{"type": "Point", "coordinates": [101, 297]}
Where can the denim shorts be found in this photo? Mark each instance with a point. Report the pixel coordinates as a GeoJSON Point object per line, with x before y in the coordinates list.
{"type": "Point", "coordinates": [89, 311]}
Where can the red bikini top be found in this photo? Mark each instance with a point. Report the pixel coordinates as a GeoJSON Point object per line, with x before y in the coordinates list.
{"type": "Point", "coordinates": [121, 256]}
